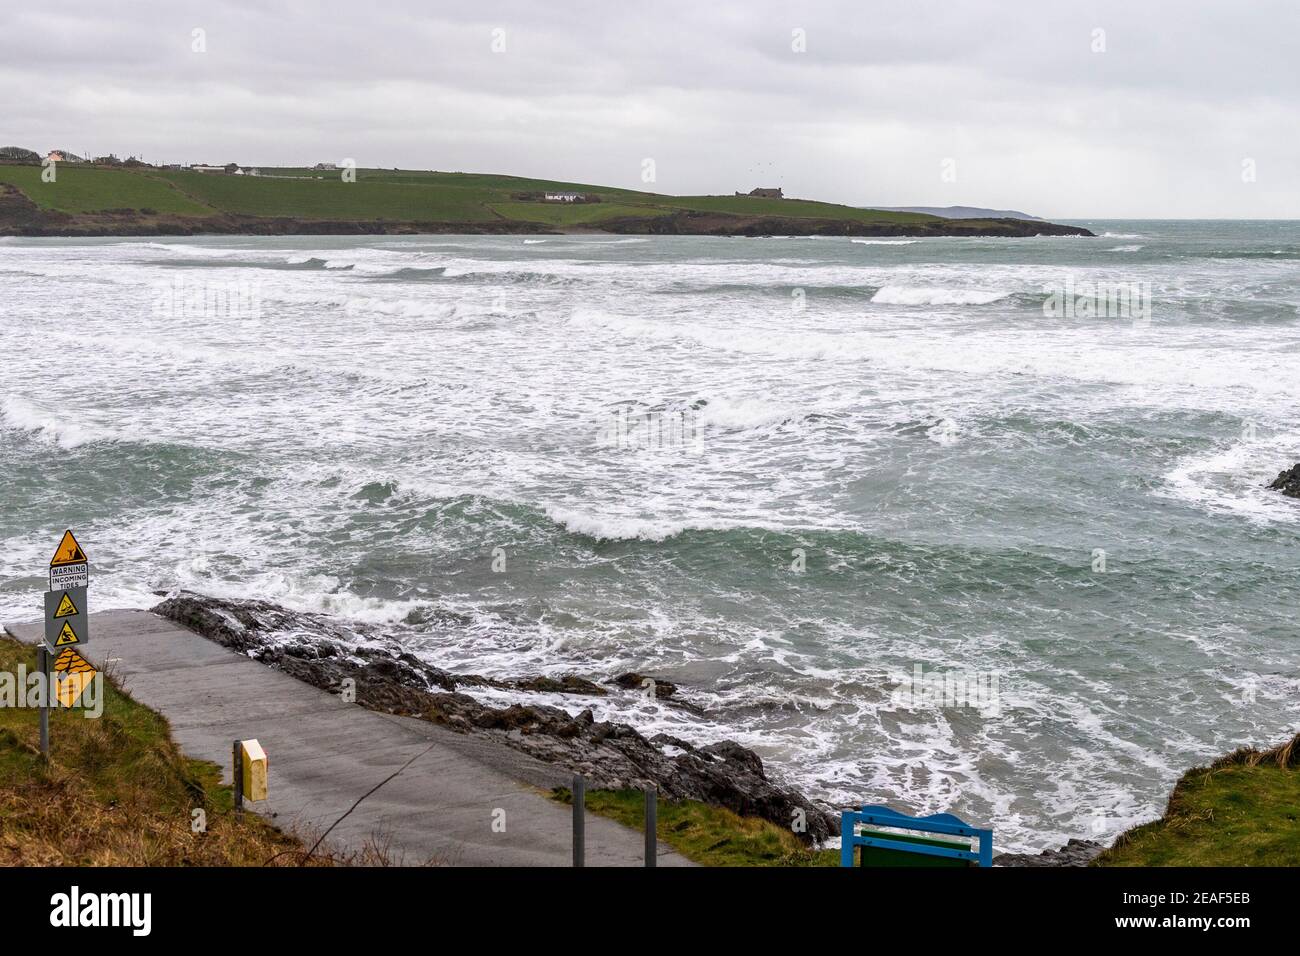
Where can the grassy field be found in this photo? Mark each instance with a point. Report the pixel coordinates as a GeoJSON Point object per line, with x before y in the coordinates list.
{"type": "Point", "coordinates": [393, 196]}
{"type": "Point", "coordinates": [1243, 810]}
{"type": "Point", "coordinates": [707, 835]}
{"type": "Point", "coordinates": [333, 198]}
{"type": "Point", "coordinates": [470, 197]}
{"type": "Point", "coordinates": [117, 792]}
{"type": "Point", "coordinates": [790, 209]}
{"type": "Point", "coordinates": [560, 215]}
{"type": "Point", "coordinates": [79, 189]}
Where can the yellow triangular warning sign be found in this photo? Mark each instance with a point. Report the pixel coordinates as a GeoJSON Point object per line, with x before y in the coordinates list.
{"type": "Point", "coordinates": [73, 673]}
{"type": "Point", "coordinates": [66, 607]}
{"type": "Point", "coordinates": [69, 552]}
{"type": "Point", "coordinates": [67, 636]}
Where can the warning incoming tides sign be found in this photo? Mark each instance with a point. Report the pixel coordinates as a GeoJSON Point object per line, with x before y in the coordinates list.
{"type": "Point", "coordinates": [69, 567]}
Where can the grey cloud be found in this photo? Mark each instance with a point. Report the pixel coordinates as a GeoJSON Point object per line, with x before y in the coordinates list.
{"type": "Point", "coordinates": [1157, 125]}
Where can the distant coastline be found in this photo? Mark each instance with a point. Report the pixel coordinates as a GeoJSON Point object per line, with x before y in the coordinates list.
{"type": "Point", "coordinates": [89, 201]}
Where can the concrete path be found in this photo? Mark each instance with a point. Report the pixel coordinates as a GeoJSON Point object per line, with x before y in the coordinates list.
{"type": "Point", "coordinates": [325, 754]}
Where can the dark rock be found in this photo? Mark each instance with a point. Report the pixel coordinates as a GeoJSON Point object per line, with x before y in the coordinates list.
{"type": "Point", "coordinates": [568, 684]}
{"type": "Point", "coordinates": [1074, 853]}
{"type": "Point", "coordinates": [633, 681]}
{"type": "Point", "coordinates": [614, 756]}
{"type": "Point", "coordinates": [733, 753]}
{"type": "Point", "coordinates": [1288, 482]}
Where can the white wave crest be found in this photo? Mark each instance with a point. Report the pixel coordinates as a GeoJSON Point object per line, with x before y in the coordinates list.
{"type": "Point", "coordinates": [49, 426]}
{"type": "Point", "coordinates": [929, 295]}
{"type": "Point", "coordinates": [624, 528]}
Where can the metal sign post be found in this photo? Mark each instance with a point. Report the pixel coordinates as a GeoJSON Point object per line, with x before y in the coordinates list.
{"type": "Point", "coordinates": [579, 821]}
{"type": "Point", "coordinates": [43, 660]}
{"type": "Point", "coordinates": [651, 826]}
{"type": "Point", "coordinates": [237, 781]}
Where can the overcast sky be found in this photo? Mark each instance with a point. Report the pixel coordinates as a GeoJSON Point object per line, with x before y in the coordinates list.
{"type": "Point", "coordinates": [1022, 105]}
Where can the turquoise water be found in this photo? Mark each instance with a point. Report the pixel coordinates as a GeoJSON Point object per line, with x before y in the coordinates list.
{"type": "Point", "coordinates": [879, 455]}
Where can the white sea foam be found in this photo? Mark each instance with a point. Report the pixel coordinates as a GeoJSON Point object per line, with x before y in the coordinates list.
{"type": "Point", "coordinates": [907, 454]}
{"type": "Point", "coordinates": [57, 428]}
{"type": "Point", "coordinates": [746, 413]}
{"type": "Point", "coordinates": [909, 295]}
{"type": "Point", "coordinates": [623, 528]}
{"type": "Point", "coordinates": [1234, 480]}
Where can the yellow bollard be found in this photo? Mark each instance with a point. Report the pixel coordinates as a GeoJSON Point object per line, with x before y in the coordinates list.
{"type": "Point", "coordinates": [253, 767]}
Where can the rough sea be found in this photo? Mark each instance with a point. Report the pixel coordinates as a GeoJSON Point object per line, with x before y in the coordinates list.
{"type": "Point", "coordinates": [910, 534]}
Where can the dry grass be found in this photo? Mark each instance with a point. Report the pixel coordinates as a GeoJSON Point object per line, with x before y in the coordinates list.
{"type": "Point", "coordinates": [1242, 810]}
{"type": "Point", "coordinates": [1284, 755]}
{"type": "Point", "coordinates": [708, 835]}
{"type": "Point", "coordinates": [118, 792]}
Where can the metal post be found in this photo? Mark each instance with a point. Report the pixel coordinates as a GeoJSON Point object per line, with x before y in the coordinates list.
{"type": "Point", "coordinates": [43, 661]}
{"type": "Point", "coordinates": [579, 812]}
{"type": "Point", "coordinates": [238, 777]}
{"type": "Point", "coordinates": [651, 826]}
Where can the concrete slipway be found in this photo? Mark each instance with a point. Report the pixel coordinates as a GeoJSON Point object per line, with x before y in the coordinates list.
{"type": "Point", "coordinates": [324, 754]}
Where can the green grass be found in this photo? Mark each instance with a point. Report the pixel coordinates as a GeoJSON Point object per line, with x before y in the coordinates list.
{"type": "Point", "coordinates": [791, 208]}
{"type": "Point", "coordinates": [79, 189]}
{"type": "Point", "coordinates": [505, 186]}
{"type": "Point", "coordinates": [710, 836]}
{"type": "Point", "coordinates": [331, 198]}
{"type": "Point", "coordinates": [117, 791]}
{"type": "Point", "coordinates": [392, 195]}
{"type": "Point", "coordinates": [573, 214]}
{"type": "Point", "coordinates": [1244, 810]}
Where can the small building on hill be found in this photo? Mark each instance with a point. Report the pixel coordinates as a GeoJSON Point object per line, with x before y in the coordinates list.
{"type": "Point", "coordinates": [764, 193]}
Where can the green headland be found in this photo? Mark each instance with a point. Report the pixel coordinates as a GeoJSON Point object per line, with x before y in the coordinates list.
{"type": "Point", "coordinates": [127, 200]}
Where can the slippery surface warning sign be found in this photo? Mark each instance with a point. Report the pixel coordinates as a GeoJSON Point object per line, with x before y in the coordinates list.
{"type": "Point", "coordinates": [65, 618]}
{"type": "Point", "coordinates": [72, 675]}
{"type": "Point", "coordinates": [66, 636]}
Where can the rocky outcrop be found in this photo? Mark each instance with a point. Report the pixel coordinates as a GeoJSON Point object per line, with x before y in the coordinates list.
{"type": "Point", "coordinates": [1288, 482]}
{"type": "Point", "coordinates": [1074, 853]}
{"type": "Point", "coordinates": [693, 223]}
{"type": "Point", "coordinates": [320, 651]}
